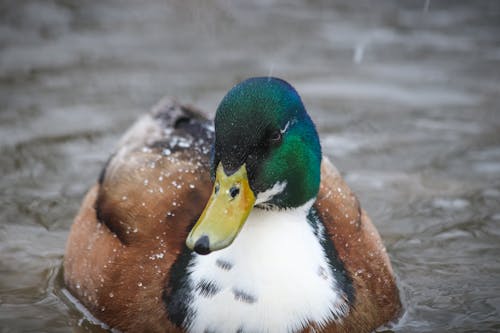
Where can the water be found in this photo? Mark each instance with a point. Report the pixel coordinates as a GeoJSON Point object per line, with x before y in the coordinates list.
{"type": "Point", "coordinates": [406, 97]}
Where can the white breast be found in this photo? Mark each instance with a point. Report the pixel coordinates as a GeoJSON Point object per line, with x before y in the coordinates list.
{"type": "Point", "coordinates": [273, 278]}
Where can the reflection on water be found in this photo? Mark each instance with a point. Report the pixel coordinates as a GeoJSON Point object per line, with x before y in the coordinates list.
{"type": "Point", "coordinates": [406, 98]}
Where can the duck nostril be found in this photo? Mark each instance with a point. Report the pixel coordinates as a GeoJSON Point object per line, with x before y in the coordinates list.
{"type": "Point", "coordinates": [234, 191]}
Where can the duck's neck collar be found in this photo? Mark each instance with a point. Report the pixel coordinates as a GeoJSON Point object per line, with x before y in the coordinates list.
{"type": "Point", "coordinates": [272, 199]}
{"type": "Point", "coordinates": [265, 199]}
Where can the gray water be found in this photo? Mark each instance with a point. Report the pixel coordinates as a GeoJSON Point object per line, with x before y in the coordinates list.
{"type": "Point", "coordinates": [406, 96]}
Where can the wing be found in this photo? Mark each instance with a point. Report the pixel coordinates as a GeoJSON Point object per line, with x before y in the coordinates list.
{"type": "Point", "coordinates": [360, 248]}
{"type": "Point", "coordinates": [133, 223]}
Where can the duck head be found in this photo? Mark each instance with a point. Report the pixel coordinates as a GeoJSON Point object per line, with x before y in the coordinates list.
{"type": "Point", "coordinates": [266, 154]}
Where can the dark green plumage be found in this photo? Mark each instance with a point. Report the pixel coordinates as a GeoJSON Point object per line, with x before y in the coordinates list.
{"type": "Point", "coordinates": [262, 122]}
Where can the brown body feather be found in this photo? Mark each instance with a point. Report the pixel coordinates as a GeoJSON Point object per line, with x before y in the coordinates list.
{"type": "Point", "coordinates": [132, 226]}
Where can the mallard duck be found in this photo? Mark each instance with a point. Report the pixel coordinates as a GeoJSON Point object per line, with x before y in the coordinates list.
{"type": "Point", "coordinates": [239, 227]}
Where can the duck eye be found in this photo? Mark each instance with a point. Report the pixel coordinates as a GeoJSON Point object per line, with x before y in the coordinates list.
{"type": "Point", "coordinates": [275, 137]}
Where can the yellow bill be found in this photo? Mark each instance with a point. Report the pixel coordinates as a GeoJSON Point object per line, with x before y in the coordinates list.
{"type": "Point", "coordinates": [225, 213]}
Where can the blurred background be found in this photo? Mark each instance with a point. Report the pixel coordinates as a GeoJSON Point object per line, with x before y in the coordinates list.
{"type": "Point", "coordinates": [405, 94]}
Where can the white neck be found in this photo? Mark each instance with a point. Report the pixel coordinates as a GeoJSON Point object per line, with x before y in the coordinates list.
{"type": "Point", "coordinates": [274, 278]}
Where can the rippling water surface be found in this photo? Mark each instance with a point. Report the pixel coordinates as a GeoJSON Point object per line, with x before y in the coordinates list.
{"type": "Point", "coordinates": [406, 96]}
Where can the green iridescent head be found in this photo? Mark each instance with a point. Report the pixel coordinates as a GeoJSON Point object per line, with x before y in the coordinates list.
{"type": "Point", "coordinates": [266, 154]}
{"type": "Point", "coordinates": [262, 123]}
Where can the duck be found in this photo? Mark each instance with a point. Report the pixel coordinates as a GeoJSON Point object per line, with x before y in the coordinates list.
{"type": "Point", "coordinates": [240, 224]}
